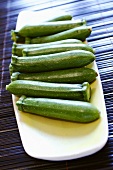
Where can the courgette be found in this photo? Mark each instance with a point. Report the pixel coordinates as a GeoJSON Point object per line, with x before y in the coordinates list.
{"type": "Point", "coordinates": [80, 33]}
{"type": "Point", "coordinates": [49, 28]}
{"type": "Point", "coordinates": [75, 75]}
{"type": "Point", "coordinates": [50, 62]}
{"type": "Point", "coordinates": [60, 17]}
{"type": "Point", "coordinates": [17, 48]}
{"type": "Point", "coordinates": [50, 90]}
{"type": "Point", "coordinates": [55, 49]}
{"type": "Point", "coordinates": [67, 110]}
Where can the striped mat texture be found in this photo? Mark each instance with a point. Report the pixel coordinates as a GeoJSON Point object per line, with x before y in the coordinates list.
{"type": "Point", "coordinates": [99, 15]}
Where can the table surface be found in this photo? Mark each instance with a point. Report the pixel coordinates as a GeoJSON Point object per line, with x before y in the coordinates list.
{"type": "Point", "coordinates": [99, 15]}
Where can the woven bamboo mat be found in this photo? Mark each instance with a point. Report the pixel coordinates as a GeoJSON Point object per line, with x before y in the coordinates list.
{"type": "Point", "coordinates": [99, 15]}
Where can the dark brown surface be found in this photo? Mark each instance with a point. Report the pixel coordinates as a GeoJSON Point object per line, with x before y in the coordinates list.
{"type": "Point", "coordinates": [99, 15]}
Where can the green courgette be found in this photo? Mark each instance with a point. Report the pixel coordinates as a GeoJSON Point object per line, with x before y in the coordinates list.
{"type": "Point", "coordinates": [76, 75]}
{"type": "Point", "coordinates": [60, 17]}
{"type": "Point", "coordinates": [50, 90]}
{"type": "Point", "coordinates": [75, 111]}
{"type": "Point", "coordinates": [49, 28]}
{"type": "Point", "coordinates": [80, 33]}
{"type": "Point", "coordinates": [55, 49]}
{"type": "Point", "coordinates": [17, 48]}
{"type": "Point", "coordinates": [50, 62]}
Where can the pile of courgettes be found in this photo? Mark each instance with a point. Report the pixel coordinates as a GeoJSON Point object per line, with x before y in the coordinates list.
{"type": "Point", "coordinates": [49, 70]}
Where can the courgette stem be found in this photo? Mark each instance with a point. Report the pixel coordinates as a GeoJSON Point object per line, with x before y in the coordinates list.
{"type": "Point", "coordinates": [17, 38]}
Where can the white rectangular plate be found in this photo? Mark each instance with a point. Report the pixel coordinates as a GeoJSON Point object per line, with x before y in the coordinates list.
{"type": "Point", "coordinates": [50, 139]}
